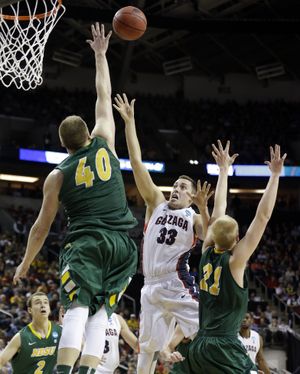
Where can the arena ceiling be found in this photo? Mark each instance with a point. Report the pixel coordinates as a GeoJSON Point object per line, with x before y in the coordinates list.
{"type": "Point", "coordinates": [211, 37]}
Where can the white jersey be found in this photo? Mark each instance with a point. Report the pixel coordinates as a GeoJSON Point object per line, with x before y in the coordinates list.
{"type": "Point", "coordinates": [252, 344]}
{"type": "Point", "coordinates": [111, 350]}
{"type": "Point", "coordinates": [168, 237]}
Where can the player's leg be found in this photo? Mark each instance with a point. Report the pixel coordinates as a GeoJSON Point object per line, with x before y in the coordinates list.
{"type": "Point", "coordinates": [80, 275]}
{"type": "Point", "coordinates": [94, 341]}
{"type": "Point", "coordinates": [71, 339]}
{"type": "Point", "coordinates": [154, 328]}
{"type": "Point", "coordinates": [184, 306]}
{"type": "Point", "coordinates": [147, 362]}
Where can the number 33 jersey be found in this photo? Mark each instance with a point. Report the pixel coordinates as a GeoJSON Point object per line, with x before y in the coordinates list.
{"type": "Point", "coordinates": [168, 238]}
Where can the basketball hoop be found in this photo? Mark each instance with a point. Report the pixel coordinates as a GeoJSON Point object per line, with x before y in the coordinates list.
{"type": "Point", "coordinates": [24, 30]}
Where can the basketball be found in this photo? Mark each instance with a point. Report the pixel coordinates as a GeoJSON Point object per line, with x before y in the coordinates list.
{"type": "Point", "coordinates": [129, 23]}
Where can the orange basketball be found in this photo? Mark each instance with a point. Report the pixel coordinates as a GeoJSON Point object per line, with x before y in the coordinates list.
{"type": "Point", "coordinates": [129, 23]}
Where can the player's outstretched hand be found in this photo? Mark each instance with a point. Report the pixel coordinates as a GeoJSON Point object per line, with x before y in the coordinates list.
{"type": "Point", "coordinates": [202, 195]}
{"type": "Point", "coordinates": [100, 42]}
{"type": "Point", "coordinates": [276, 161]}
{"type": "Point", "coordinates": [124, 108]}
{"type": "Point", "coordinates": [20, 273]}
{"type": "Point", "coordinates": [221, 155]}
{"type": "Point", "coordinates": [168, 356]}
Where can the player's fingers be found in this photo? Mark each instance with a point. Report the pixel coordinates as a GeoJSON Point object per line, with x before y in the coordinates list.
{"type": "Point", "coordinates": [102, 32]}
{"type": "Point", "coordinates": [207, 188]}
{"type": "Point", "coordinates": [271, 153]}
{"type": "Point", "coordinates": [284, 157]}
{"type": "Point", "coordinates": [118, 100]}
{"type": "Point", "coordinates": [210, 195]}
{"type": "Point", "coordinates": [267, 163]}
{"type": "Point", "coordinates": [116, 107]}
{"type": "Point", "coordinates": [216, 150]}
{"type": "Point", "coordinates": [227, 146]}
{"type": "Point", "coordinates": [89, 41]}
{"type": "Point", "coordinates": [233, 157]}
{"type": "Point", "coordinates": [109, 35]}
{"type": "Point", "coordinates": [119, 97]}
{"type": "Point", "coordinates": [198, 185]}
{"type": "Point", "coordinates": [277, 151]}
{"type": "Point", "coordinates": [220, 145]}
{"type": "Point", "coordinates": [125, 99]}
{"type": "Point", "coordinates": [93, 31]}
{"type": "Point", "coordinates": [132, 104]}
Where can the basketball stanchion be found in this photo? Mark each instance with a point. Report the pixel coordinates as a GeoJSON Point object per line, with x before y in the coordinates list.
{"type": "Point", "coordinates": [25, 27]}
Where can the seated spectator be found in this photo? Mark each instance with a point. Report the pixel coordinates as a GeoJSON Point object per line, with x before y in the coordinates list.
{"type": "Point", "coordinates": [274, 335]}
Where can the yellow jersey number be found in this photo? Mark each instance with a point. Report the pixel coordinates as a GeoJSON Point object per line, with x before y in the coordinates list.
{"type": "Point", "coordinates": [214, 289]}
{"type": "Point", "coordinates": [41, 364]}
{"type": "Point", "coordinates": [84, 174]}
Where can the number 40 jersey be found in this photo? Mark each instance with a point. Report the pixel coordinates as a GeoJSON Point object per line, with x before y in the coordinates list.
{"type": "Point", "coordinates": [168, 238]}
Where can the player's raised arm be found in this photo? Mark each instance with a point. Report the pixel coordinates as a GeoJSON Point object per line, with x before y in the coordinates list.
{"type": "Point", "coordinates": [104, 121]}
{"type": "Point", "coordinates": [224, 161]}
{"type": "Point", "coordinates": [41, 226]}
{"type": "Point", "coordinates": [248, 244]}
{"type": "Point", "coordinates": [200, 199]}
{"type": "Point", "coordinates": [149, 191]}
{"type": "Point", "coordinates": [10, 350]}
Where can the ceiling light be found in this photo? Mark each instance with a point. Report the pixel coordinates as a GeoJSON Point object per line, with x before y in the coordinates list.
{"type": "Point", "coordinates": [18, 178]}
{"type": "Point", "coordinates": [246, 190]}
{"type": "Point", "coordinates": [165, 188]}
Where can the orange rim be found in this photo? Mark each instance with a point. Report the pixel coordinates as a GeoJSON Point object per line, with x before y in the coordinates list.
{"type": "Point", "coordinates": [28, 18]}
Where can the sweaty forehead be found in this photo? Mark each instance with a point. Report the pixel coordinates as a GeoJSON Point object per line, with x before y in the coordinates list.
{"type": "Point", "coordinates": [38, 299]}
{"type": "Point", "coordinates": [183, 182]}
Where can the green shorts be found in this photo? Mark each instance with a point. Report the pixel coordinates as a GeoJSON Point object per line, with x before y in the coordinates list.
{"type": "Point", "coordinates": [96, 268]}
{"type": "Point", "coordinates": [219, 355]}
{"type": "Point", "coordinates": [183, 366]}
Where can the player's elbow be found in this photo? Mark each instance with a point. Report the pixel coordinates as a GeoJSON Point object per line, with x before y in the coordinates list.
{"type": "Point", "coordinates": [40, 231]}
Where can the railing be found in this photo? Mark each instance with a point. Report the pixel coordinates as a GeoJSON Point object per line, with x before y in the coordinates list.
{"type": "Point", "coordinates": [7, 313]}
{"type": "Point", "coordinates": [287, 309]}
{"type": "Point", "coordinates": [130, 299]}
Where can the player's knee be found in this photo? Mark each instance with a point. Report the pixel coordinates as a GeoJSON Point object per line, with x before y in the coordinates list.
{"type": "Point", "coordinates": [73, 327]}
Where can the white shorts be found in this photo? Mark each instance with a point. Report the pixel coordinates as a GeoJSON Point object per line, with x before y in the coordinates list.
{"type": "Point", "coordinates": [164, 301]}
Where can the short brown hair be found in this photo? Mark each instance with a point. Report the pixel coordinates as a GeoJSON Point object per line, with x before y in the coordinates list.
{"type": "Point", "coordinates": [194, 184]}
{"type": "Point", "coordinates": [73, 132]}
{"type": "Point", "coordinates": [29, 301]}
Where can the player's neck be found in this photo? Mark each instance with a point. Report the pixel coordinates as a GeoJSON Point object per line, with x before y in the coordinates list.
{"type": "Point", "coordinates": [41, 326]}
{"type": "Point", "coordinates": [245, 333]}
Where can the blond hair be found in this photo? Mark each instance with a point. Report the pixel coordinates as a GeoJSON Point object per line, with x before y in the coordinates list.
{"type": "Point", "coordinates": [224, 232]}
{"type": "Point", "coordinates": [73, 132]}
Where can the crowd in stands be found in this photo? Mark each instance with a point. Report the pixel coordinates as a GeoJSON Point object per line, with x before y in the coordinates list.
{"type": "Point", "coordinates": [276, 263]}
{"type": "Point", "coordinates": [251, 127]}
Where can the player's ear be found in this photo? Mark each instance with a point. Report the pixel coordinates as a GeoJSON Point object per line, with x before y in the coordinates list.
{"type": "Point", "coordinates": [29, 310]}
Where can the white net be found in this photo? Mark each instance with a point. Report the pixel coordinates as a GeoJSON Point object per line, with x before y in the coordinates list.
{"type": "Point", "coordinates": [24, 30]}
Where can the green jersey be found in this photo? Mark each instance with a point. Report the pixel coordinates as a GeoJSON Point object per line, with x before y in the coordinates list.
{"type": "Point", "coordinates": [223, 303]}
{"type": "Point", "coordinates": [93, 192]}
{"type": "Point", "coordinates": [37, 355]}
